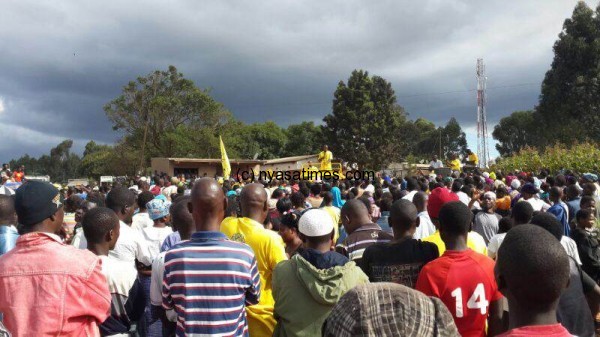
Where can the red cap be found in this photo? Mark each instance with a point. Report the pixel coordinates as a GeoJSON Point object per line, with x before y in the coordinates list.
{"type": "Point", "coordinates": [438, 197]}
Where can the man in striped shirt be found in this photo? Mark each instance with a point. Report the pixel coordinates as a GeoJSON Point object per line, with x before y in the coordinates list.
{"type": "Point", "coordinates": [362, 232]}
{"type": "Point", "coordinates": [209, 279]}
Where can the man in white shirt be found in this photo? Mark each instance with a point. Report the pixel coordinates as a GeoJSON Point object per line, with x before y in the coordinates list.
{"type": "Point", "coordinates": [529, 194]}
{"type": "Point", "coordinates": [412, 186]}
{"type": "Point", "coordinates": [130, 245]}
{"type": "Point", "coordinates": [142, 220]}
{"type": "Point", "coordinates": [101, 228]}
{"type": "Point", "coordinates": [425, 226]}
{"type": "Point", "coordinates": [435, 163]}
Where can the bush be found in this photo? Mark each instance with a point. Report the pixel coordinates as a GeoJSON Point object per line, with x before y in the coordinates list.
{"type": "Point", "coordinates": [580, 157]}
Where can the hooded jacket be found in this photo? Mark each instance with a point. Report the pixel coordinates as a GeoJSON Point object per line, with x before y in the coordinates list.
{"type": "Point", "coordinates": [304, 294]}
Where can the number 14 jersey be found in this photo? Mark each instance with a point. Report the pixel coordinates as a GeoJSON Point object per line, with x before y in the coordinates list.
{"type": "Point", "coordinates": [464, 281]}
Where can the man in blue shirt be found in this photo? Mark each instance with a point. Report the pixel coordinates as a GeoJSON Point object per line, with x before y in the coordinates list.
{"type": "Point", "coordinates": [8, 231]}
{"type": "Point", "coordinates": [209, 279]}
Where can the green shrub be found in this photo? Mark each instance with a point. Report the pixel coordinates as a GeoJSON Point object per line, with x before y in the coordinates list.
{"type": "Point", "coordinates": [580, 157]}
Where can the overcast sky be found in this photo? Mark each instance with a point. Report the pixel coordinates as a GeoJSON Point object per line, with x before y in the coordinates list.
{"type": "Point", "coordinates": [279, 60]}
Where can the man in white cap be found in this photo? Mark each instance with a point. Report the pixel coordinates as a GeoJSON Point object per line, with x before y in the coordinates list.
{"type": "Point", "coordinates": [307, 286]}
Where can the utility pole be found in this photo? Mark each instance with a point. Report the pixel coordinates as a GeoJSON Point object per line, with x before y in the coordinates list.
{"type": "Point", "coordinates": [482, 134]}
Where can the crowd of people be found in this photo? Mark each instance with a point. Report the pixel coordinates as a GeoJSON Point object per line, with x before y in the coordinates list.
{"type": "Point", "coordinates": [469, 254]}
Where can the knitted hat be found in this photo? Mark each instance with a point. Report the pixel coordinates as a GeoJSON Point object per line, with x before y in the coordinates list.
{"type": "Point", "coordinates": [315, 222]}
{"type": "Point", "coordinates": [158, 208]}
{"type": "Point", "coordinates": [438, 197]}
{"type": "Point", "coordinates": [36, 201]}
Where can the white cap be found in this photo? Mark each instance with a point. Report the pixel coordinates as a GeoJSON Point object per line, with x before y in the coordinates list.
{"type": "Point", "coordinates": [370, 188]}
{"type": "Point", "coordinates": [515, 184]}
{"type": "Point", "coordinates": [315, 222]}
{"type": "Point", "coordinates": [486, 175]}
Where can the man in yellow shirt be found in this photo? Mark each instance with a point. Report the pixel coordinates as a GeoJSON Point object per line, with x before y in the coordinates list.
{"type": "Point", "coordinates": [268, 248]}
{"type": "Point", "coordinates": [472, 159]}
{"type": "Point", "coordinates": [454, 163]}
{"type": "Point", "coordinates": [438, 198]}
{"type": "Point", "coordinates": [325, 158]}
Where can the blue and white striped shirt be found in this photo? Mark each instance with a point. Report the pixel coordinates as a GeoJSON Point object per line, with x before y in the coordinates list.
{"type": "Point", "coordinates": [208, 280]}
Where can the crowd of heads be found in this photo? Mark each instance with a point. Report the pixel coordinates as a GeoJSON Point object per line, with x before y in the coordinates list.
{"type": "Point", "coordinates": [520, 219]}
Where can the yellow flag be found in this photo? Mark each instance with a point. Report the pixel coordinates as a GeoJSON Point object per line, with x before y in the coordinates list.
{"type": "Point", "coordinates": [224, 160]}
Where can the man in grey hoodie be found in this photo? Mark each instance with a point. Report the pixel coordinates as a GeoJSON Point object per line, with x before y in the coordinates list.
{"type": "Point", "coordinates": [307, 286]}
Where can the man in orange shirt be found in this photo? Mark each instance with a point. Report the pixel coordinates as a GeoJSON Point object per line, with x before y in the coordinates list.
{"type": "Point", "coordinates": [463, 279]}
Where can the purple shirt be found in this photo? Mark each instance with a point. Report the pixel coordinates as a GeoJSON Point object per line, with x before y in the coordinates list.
{"type": "Point", "coordinates": [171, 240]}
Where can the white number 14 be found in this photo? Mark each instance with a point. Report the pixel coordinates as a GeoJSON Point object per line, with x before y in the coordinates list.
{"type": "Point", "coordinates": [476, 301]}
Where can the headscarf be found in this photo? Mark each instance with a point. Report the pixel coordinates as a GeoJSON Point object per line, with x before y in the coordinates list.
{"type": "Point", "coordinates": [337, 197]}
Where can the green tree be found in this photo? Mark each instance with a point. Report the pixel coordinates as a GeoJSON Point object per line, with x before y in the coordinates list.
{"type": "Point", "coordinates": [97, 160]}
{"type": "Point", "coordinates": [161, 110]}
{"type": "Point", "coordinates": [266, 140]}
{"type": "Point", "coordinates": [515, 132]}
{"type": "Point", "coordinates": [447, 139]}
{"type": "Point", "coordinates": [60, 164]}
{"type": "Point", "coordinates": [570, 98]}
{"type": "Point", "coordinates": [304, 138]}
{"type": "Point", "coordinates": [363, 125]}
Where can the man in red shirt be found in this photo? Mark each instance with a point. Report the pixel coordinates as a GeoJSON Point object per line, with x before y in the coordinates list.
{"type": "Point", "coordinates": [532, 270]}
{"type": "Point", "coordinates": [461, 278]}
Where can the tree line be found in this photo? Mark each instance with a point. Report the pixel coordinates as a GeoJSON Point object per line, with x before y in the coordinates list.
{"type": "Point", "coordinates": [165, 114]}
{"type": "Point", "coordinates": [568, 111]}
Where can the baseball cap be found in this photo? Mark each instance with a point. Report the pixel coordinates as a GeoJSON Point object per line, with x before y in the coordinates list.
{"type": "Point", "coordinates": [36, 201]}
{"type": "Point", "coordinates": [315, 222]}
{"type": "Point", "coordinates": [438, 197]}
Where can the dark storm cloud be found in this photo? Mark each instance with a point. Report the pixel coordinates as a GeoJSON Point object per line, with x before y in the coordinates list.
{"type": "Point", "coordinates": [277, 60]}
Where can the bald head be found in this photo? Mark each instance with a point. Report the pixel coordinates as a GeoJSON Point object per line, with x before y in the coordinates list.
{"type": "Point", "coordinates": [354, 214]}
{"type": "Point", "coordinates": [207, 205]}
{"type": "Point", "coordinates": [253, 201]}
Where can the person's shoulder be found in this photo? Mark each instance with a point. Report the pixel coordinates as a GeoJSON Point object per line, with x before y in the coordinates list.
{"type": "Point", "coordinates": [381, 234]}
{"type": "Point", "coordinates": [239, 248]}
{"type": "Point", "coordinates": [284, 267]}
{"type": "Point", "coordinates": [437, 266]}
{"type": "Point", "coordinates": [79, 261]}
{"type": "Point", "coordinates": [475, 237]}
{"type": "Point", "coordinates": [427, 246]}
{"type": "Point", "coordinates": [482, 260]}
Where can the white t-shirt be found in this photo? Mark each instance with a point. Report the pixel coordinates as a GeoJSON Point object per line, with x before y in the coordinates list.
{"type": "Point", "coordinates": [463, 197]}
{"type": "Point", "coordinates": [156, 281]}
{"type": "Point", "coordinates": [79, 240]}
{"type": "Point", "coordinates": [410, 195]}
{"type": "Point", "coordinates": [120, 275]}
{"type": "Point", "coordinates": [571, 248]}
{"type": "Point", "coordinates": [537, 204]}
{"type": "Point", "coordinates": [141, 221]}
{"type": "Point", "coordinates": [154, 237]}
{"type": "Point", "coordinates": [494, 245]}
{"type": "Point", "coordinates": [426, 227]}
{"type": "Point", "coordinates": [436, 164]}
{"type": "Point", "coordinates": [130, 246]}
